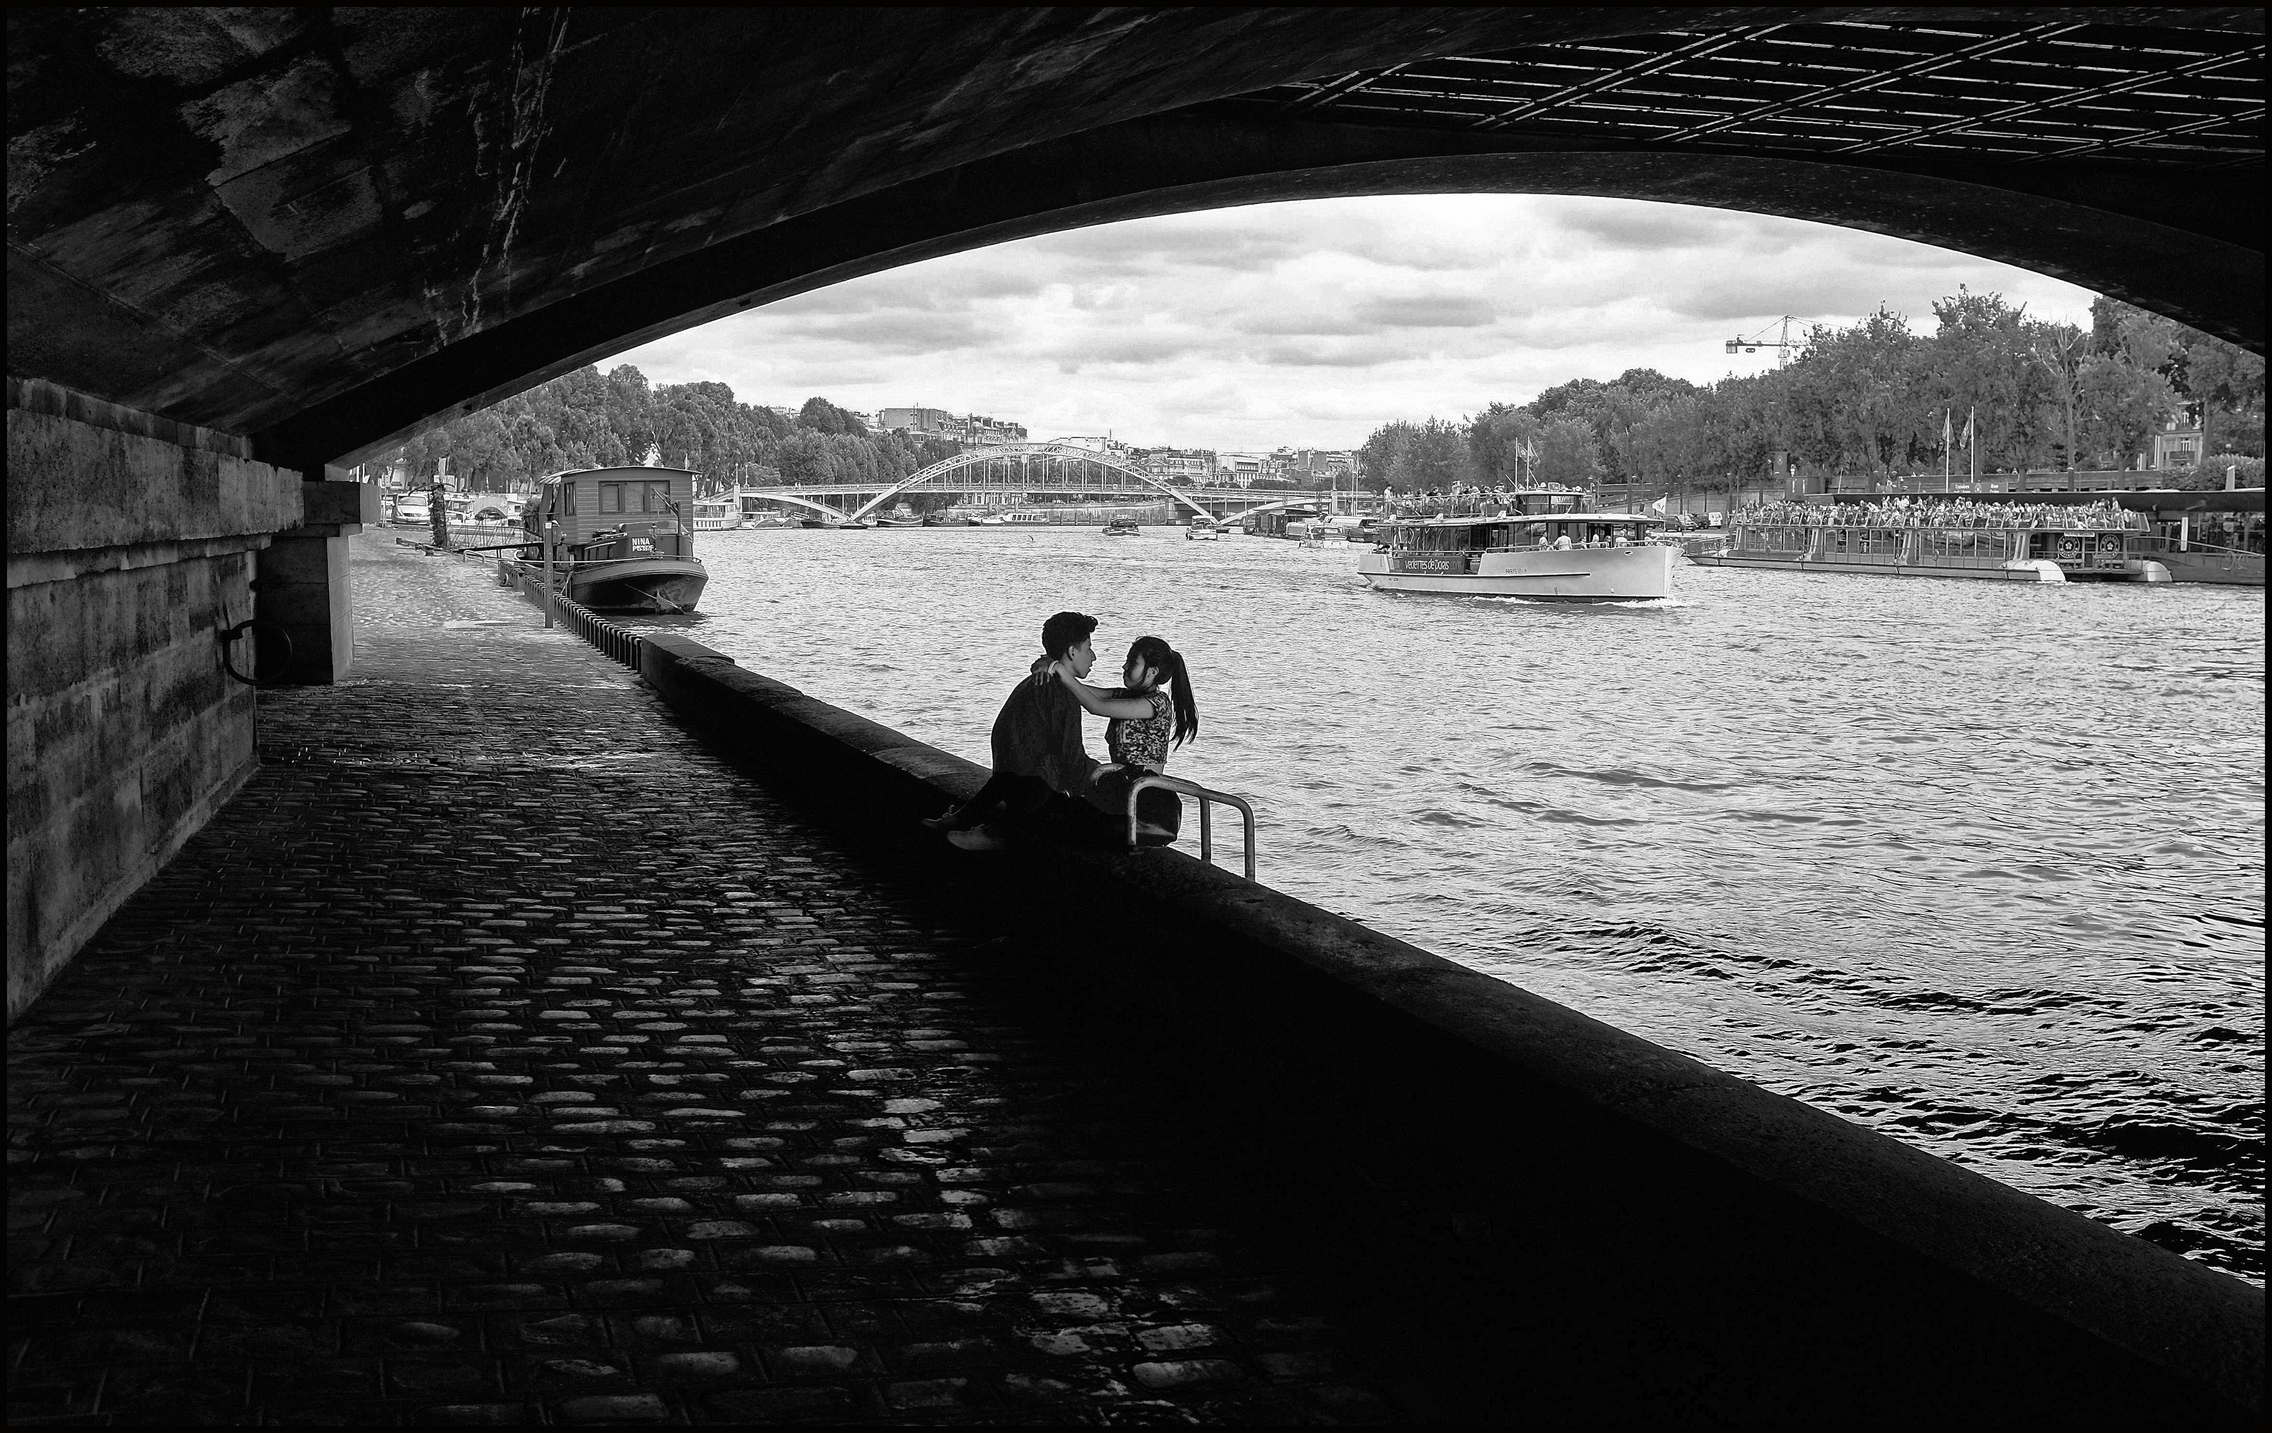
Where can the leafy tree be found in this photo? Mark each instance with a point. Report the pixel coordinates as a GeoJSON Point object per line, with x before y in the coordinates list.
{"type": "Point", "coordinates": [1568, 452]}
{"type": "Point", "coordinates": [1417, 457]}
{"type": "Point", "coordinates": [2223, 379]}
{"type": "Point", "coordinates": [1673, 443]}
{"type": "Point", "coordinates": [1502, 441]}
{"type": "Point", "coordinates": [822, 416]}
{"type": "Point", "coordinates": [2119, 406]}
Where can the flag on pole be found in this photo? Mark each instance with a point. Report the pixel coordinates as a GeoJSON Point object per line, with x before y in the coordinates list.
{"type": "Point", "coordinates": [1658, 507]}
{"type": "Point", "coordinates": [1970, 414]}
{"type": "Point", "coordinates": [1948, 416]}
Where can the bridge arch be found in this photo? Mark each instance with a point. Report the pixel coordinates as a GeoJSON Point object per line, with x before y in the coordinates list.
{"type": "Point", "coordinates": [331, 229]}
{"type": "Point", "coordinates": [1061, 452]}
{"type": "Point", "coordinates": [837, 514]}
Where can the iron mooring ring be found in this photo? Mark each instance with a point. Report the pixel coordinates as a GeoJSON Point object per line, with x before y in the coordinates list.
{"type": "Point", "coordinates": [228, 643]}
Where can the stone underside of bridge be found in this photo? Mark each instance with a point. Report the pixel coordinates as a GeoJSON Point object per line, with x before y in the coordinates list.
{"type": "Point", "coordinates": [326, 227]}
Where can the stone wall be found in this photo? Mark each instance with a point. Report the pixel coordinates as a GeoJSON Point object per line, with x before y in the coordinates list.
{"type": "Point", "coordinates": [131, 547]}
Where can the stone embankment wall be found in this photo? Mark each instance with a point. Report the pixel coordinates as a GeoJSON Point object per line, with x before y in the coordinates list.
{"type": "Point", "coordinates": [131, 545]}
{"type": "Point", "coordinates": [1297, 965]}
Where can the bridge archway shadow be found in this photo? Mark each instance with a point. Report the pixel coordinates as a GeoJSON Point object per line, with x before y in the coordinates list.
{"type": "Point", "coordinates": [1493, 1250]}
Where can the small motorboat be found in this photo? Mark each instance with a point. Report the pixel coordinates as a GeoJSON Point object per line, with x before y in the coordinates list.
{"type": "Point", "coordinates": [1122, 527]}
{"type": "Point", "coordinates": [1202, 529]}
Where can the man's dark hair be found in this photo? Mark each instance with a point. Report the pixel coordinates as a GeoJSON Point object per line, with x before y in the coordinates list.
{"type": "Point", "coordinates": [1063, 630]}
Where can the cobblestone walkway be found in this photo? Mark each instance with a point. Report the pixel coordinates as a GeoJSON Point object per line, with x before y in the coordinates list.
{"type": "Point", "coordinates": [500, 1056]}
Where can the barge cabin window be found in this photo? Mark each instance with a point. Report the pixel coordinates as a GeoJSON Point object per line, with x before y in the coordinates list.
{"type": "Point", "coordinates": [628, 497]}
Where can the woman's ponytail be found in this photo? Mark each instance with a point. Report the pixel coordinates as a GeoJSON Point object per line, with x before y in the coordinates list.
{"type": "Point", "coordinates": [1186, 709]}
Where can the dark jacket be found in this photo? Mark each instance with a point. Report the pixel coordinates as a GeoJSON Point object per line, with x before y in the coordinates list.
{"type": "Point", "coordinates": [1038, 734]}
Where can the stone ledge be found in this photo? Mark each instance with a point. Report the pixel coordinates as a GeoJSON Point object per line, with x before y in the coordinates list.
{"type": "Point", "coordinates": [37, 395]}
{"type": "Point", "coordinates": [85, 474]}
{"type": "Point", "coordinates": [2198, 1324]}
{"type": "Point", "coordinates": [30, 569]}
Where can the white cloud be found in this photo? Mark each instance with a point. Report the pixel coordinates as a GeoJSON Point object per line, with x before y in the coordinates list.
{"type": "Point", "coordinates": [1312, 323]}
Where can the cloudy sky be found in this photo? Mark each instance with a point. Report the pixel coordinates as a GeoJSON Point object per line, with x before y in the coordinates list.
{"type": "Point", "coordinates": [1309, 324]}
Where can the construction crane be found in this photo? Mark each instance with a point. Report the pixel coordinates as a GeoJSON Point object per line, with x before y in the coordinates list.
{"type": "Point", "coordinates": [1782, 343]}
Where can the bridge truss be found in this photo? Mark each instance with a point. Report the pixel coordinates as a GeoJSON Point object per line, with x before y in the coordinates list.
{"type": "Point", "coordinates": [1031, 467]}
{"type": "Point", "coordinates": [1022, 471]}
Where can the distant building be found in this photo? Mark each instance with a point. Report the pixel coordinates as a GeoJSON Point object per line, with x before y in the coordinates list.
{"type": "Point", "coordinates": [939, 423]}
{"type": "Point", "coordinates": [989, 430]}
{"type": "Point", "coordinates": [1195, 466]}
{"type": "Point", "coordinates": [2176, 446]}
{"type": "Point", "coordinates": [931, 422]}
{"type": "Point", "coordinates": [1320, 463]}
{"type": "Point", "coordinates": [1243, 468]}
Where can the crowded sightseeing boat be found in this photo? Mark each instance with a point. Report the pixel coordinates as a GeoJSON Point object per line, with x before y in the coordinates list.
{"type": "Point", "coordinates": [613, 540]}
{"type": "Point", "coordinates": [1546, 543]}
{"type": "Point", "coordinates": [1982, 537]}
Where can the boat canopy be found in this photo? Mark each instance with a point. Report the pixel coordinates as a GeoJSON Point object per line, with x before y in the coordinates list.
{"type": "Point", "coordinates": [1526, 519]}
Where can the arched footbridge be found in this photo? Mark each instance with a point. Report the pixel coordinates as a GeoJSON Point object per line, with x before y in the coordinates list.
{"type": "Point", "coordinates": [1024, 472]}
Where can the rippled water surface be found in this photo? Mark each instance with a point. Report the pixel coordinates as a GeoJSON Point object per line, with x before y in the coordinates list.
{"type": "Point", "coordinates": [1979, 865]}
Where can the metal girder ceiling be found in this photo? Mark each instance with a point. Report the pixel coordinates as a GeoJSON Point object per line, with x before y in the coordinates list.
{"type": "Point", "coordinates": [1976, 91]}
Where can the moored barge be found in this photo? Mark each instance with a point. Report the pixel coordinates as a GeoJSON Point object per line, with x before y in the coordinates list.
{"type": "Point", "coordinates": [614, 540]}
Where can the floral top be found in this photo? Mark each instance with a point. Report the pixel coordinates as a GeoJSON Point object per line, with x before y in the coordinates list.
{"type": "Point", "coordinates": [1142, 741]}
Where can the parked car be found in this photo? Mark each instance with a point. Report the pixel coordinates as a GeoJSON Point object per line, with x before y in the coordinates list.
{"type": "Point", "coordinates": [414, 507]}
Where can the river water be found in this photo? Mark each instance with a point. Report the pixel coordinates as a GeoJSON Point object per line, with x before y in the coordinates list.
{"type": "Point", "coordinates": [1979, 865]}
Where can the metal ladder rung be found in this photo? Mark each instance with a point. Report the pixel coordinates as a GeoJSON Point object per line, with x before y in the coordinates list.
{"type": "Point", "coordinates": [1206, 825]}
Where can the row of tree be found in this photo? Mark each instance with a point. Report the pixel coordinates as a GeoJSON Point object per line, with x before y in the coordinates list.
{"type": "Point", "coordinates": [1872, 398]}
{"type": "Point", "coordinates": [588, 419]}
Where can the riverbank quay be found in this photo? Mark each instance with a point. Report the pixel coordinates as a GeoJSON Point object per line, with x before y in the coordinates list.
{"type": "Point", "coordinates": [880, 1132]}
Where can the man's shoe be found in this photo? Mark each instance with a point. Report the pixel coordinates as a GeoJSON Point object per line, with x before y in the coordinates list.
{"type": "Point", "coordinates": [978, 838]}
{"type": "Point", "coordinates": [947, 820]}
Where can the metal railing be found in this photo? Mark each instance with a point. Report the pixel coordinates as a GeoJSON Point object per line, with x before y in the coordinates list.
{"type": "Point", "coordinates": [1206, 824]}
{"type": "Point", "coordinates": [618, 642]}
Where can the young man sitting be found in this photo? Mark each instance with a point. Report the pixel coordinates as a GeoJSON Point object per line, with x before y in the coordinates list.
{"type": "Point", "coordinates": [1037, 744]}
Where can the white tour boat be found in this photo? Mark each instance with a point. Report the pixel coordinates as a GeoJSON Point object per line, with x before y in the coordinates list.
{"type": "Point", "coordinates": [1202, 529]}
{"type": "Point", "coordinates": [1540, 544]}
{"type": "Point", "coordinates": [718, 514]}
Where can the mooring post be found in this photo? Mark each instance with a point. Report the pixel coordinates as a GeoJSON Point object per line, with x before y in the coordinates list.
{"type": "Point", "coordinates": [551, 529]}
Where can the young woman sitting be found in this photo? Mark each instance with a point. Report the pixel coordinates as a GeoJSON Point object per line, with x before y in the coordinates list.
{"type": "Point", "coordinates": [1144, 721]}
